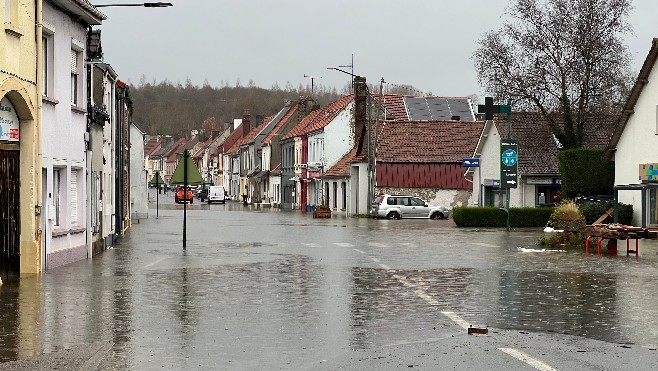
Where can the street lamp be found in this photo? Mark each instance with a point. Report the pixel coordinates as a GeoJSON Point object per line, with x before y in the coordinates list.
{"type": "Point", "coordinates": [146, 5]}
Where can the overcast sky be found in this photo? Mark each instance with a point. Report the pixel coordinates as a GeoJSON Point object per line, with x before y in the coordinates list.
{"type": "Point", "coordinates": [425, 43]}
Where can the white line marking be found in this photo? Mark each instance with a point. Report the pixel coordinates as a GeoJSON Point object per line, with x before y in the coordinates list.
{"type": "Point", "coordinates": [385, 267]}
{"type": "Point", "coordinates": [485, 244]}
{"type": "Point", "coordinates": [375, 260]}
{"type": "Point", "coordinates": [360, 251]}
{"type": "Point", "coordinates": [311, 244]}
{"type": "Point", "coordinates": [539, 365]}
{"type": "Point", "coordinates": [343, 244]}
{"type": "Point", "coordinates": [423, 295]}
{"type": "Point", "coordinates": [457, 319]}
{"type": "Point", "coordinates": [377, 244]}
{"type": "Point", "coordinates": [154, 263]}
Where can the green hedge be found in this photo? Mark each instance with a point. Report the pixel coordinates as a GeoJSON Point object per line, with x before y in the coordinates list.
{"type": "Point", "coordinates": [585, 172]}
{"type": "Point", "coordinates": [594, 210]}
{"type": "Point", "coordinates": [495, 217]}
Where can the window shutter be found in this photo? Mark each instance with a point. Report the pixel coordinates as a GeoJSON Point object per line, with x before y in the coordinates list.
{"type": "Point", "coordinates": [74, 197]}
{"type": "Point", "coordinates": [74, 61]}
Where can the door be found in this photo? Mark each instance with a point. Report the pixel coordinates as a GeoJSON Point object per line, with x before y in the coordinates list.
{"type": "Point", "coordinates": [9, 210]}
{"type": "Point", "coordinates": [418, 208]}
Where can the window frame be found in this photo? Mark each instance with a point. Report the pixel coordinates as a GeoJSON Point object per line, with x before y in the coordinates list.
{"type": "Point", "coordinates": [57, 192]}
{"type": "Point", "coordinates": [76, 81]}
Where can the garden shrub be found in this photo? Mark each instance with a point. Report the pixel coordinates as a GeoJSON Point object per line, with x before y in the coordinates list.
{"type": "Point", "coordinates": [594, 210]}
{"type": "Point", "coordinates": [495, 217]}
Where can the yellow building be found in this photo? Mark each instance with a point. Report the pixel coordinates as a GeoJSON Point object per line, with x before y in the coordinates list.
{"type": "Point", "coordinates": [19, 137]}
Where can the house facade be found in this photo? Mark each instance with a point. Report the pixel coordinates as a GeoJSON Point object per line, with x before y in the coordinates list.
{"type": "Point", "coordinates": [634, 145]}
{"type": "Point", "coordinates": [64, 167]}
{"type": "Point", "coordinates": [138, 176]}
{"type": "Point", "coordinates": [538, 179]}
{"type": "Point", "coordinates": [20, 97]}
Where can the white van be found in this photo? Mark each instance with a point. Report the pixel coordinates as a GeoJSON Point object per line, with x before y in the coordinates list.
{"type": "Point", "coordinates": [216, 194]}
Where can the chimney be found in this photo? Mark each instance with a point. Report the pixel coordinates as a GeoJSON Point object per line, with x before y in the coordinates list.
{"type": "Point", "coordinates": [360, 112]}
{"type": "Point", "coordinates": [246, 122]}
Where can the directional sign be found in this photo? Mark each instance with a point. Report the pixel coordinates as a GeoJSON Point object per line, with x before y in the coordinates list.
{"type": "Point", "coordinates": [471, 162]}
{"type": "Point", "coordinates": [509, 161]}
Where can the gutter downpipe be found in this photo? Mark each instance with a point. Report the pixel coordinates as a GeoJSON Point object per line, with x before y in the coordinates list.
{"type": "Point", "coordinates": [37, 138]}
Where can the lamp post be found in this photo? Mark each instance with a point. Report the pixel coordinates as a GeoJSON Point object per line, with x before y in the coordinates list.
{"type": "Point", "coordinates": [146, 5]}
{"type": "Point", "coordinates": [94, 56]}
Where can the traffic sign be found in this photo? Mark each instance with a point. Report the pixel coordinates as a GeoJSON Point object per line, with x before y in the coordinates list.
{"type": "Point", "coordinates": [471, 162]}
{"type": "Point", "coordinates": [509, 161]}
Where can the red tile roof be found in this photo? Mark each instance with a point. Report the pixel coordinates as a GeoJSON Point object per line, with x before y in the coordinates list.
{"type": "Point", "coordinates": [151, 146]}
{"type": "Point", "coordinates": [245, 140]}
{"type": "Point", "coordinates": [427, 141]}
{"type": "Point", "coordinates": [175, 149]}
{"type": "Point", "coordinates": [231, 140]}
{"type": "Point", "coordinates": [342, 167]}
{"type": "Point", "coordinates": [318, 119]}
{"type": "Point", "coordinates": [282, 122]}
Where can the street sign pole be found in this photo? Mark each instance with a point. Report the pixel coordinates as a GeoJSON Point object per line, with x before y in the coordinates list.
{"type": "Point", "coordinates": [185, 155]}
{"type": "Point", "coordinates": [157, 194]}
{"type": "Point", "coordinates": [509, 137]}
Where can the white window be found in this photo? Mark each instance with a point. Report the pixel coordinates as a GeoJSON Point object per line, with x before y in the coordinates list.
{"type": "Point", "coordinates": [56, 193]}
{"type": "Point", "coordinates": [75, 91]}
{"type": "Point", "coordinates": [73, 197]}
{"type": "Point", "coordinates": [8, 9]}
{"type": "Point", "coordinates": [44, 54]}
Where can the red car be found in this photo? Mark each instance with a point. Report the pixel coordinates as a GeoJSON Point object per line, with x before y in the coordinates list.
{"type": "Point", "coordinates": [184, 196]}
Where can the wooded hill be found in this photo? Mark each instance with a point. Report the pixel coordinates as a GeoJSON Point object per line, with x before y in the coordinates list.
{"type": "Point", "coordinates": [175, 109]}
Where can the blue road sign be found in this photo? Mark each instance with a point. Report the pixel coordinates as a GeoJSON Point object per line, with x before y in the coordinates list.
{"type": "Point", "coordinates": [509, 150]}
{"type": "Point", "coordinates": [471, 162]}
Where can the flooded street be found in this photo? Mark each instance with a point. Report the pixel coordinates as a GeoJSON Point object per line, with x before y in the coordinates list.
{"type": "Point", "coordinates": [270, 289]}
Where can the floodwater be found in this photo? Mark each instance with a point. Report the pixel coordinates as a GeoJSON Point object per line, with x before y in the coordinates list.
{"type": "Point", "coordinates": [261, 287]}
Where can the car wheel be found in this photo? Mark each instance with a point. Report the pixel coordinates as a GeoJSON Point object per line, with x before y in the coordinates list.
{"type": "Point", "coordinates": [393, 215]}
{"type": "Point", "coordinates": [437, 216]}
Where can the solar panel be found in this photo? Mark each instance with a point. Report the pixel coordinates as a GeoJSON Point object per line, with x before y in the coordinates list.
{"type": "Point", "coordinates": [437, 108]}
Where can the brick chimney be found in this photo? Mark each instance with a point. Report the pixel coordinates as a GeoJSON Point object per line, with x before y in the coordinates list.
{"type": "Point", "coordinates": [360, 113]}
{"type": "Point", "coordinates": [246, 122]}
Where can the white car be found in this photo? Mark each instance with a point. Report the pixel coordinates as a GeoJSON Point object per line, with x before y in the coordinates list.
{"type": "Point", "coordinates": [216, 194]}
{"type": "Point", "coordinates": [405, 206]}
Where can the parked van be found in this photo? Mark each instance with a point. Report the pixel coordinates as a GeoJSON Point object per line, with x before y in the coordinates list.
{"type": "Point", "coordinates": [216, 194]}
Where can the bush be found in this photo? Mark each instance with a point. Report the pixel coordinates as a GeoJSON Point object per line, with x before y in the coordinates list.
{"type": "Point", "coordinates": [567, 216]}
{"type": "Point", "coordinates": [594, 210]}
{"type": "Point", "coordinates": [585, 171]}
{"type": "Point", "coordinates": [495, 217]}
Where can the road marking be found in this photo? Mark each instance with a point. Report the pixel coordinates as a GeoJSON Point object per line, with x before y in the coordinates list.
{"type": "Point", "coordinates": [457, 319]}
{"type": "Point", "coordinates": [539, 365]}
{"type": "Point", "coordinates": [485, 244]}
{"type": "Point", "coordinates": [154, 263]}
{"type": "Point", "coordinates": [360, 251]}
{"type": "Point", "coordinates": [375, 260]}
{"type": "Point", "coordinates": [343, 244]}
{"type": "Point", "coordinates": [425, 296]}
{"type": "Point", "coordinates": [376, 244]}
{"type": "Point", "coordinates": [311, 244]}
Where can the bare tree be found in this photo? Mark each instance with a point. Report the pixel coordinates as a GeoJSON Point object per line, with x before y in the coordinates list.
{"type": "Point", "coordinates": [559, 56]}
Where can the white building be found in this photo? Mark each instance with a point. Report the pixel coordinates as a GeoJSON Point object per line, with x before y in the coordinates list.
{"type": "Point", "coordinates": [64, 161]}
{"type": "Point", "coordinates": [138, 176]}
{"type": "Point", "coordinates": [634, 145]}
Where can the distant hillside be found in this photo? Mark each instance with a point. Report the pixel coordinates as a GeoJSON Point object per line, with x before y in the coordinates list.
{"type": "Point", "coordinates": [175, 109]}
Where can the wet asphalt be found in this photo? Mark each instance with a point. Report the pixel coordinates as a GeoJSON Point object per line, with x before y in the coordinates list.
{"type": "Point", "coordinates": [260, 288]}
